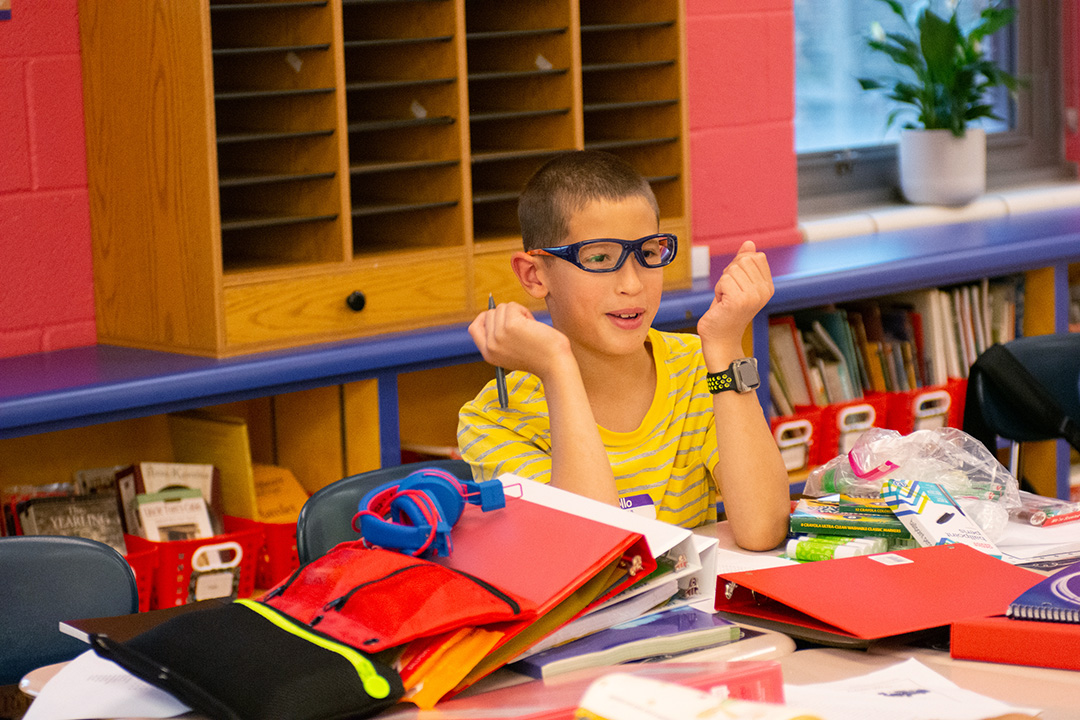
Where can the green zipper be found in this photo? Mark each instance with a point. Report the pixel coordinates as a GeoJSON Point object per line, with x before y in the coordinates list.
{"type": "Point", "coordinates": [374, 684]}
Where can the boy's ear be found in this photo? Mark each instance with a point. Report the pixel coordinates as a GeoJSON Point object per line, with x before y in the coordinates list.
{"type": "Point", "coordinates": [530, 273]}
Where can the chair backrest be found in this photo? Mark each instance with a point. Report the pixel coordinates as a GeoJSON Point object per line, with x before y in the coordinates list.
{"type": "Point", "coordinates": [46, 579]}
{"type": "Point", "coordinates": [326, 518]}
{"type": "Point", "coordinates": [1054, 361]}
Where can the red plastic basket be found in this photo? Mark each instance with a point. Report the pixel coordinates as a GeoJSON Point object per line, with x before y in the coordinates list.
{"type": "Point", "coordinates": [843, 423]}
{"type": "Point", "coordinates": [927, 408]}
{"type": "Point", "coordinates": [795, 436]}
{"type": "Point", "coordinates": [278, 556]}
{"type": "Point", "coordinates": [143, 563]}
{"type": "Point", "coordinates": [177, 580]}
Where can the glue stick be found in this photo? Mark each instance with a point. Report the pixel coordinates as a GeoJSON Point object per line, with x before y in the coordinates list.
{"type": "Point", "coordinates": [809, 549]}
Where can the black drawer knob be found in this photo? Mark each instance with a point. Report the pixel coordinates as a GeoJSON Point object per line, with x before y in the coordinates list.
{"type": "Point", "coordinates": [356, 300]}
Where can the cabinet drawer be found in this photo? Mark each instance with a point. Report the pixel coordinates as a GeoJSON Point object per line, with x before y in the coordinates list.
{"type": "Point", "coordinates": [396, 295]}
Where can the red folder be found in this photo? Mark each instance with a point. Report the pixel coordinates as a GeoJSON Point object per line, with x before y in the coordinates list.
{"type": "Point", "coordinates": [538, 553]}
{"type": "Point", "coordinates": [874, 596]}
{"type": "Point", "coordinates": [1017, 642]}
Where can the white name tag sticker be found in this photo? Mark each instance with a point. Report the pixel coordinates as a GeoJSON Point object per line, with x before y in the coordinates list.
{"type": "Point", "coordinates": [640, 504]}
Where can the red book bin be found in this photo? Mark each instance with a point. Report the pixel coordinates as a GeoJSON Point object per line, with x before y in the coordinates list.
{"type": "Point", "coordinates": [191, 570]}
{"type": "Point", "coordinates": [277, 556]}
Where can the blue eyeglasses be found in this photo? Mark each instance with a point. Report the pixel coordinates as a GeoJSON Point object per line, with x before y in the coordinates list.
{"type": "Point", "coordinates": [608, 254]}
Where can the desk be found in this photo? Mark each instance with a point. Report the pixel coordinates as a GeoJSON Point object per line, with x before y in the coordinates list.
{"type": "Point", "coordinates": [1056, 691]}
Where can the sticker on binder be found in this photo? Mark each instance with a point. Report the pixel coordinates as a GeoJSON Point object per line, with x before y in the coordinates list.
{"type": "Point", "coordinates": [215, 571]}
{"type": "Point", "coordinates": [931, 409]}
{"type": "Point", "coordinates": [793, 438]}
{"type": "Point", "coordinates": [852, 422]}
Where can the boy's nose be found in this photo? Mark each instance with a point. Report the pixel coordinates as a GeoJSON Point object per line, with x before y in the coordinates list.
{"type": "Point", "coordinates": [628, 277]}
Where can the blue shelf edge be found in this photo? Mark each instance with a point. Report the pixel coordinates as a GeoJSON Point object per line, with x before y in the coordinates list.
{"type": "Point", "coordinates": [83, 386]}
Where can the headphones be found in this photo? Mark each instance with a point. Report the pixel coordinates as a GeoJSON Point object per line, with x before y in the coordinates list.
{"type": "Point", "coordinates": [414, 515]}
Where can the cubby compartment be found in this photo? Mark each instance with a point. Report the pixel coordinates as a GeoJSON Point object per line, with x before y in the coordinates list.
{"type": "Point", "coordinates": [404, 107]}
{"type": "Point", "coordinates": [524, 102]}
{"type": "Point", "coordinates": [632, 90]}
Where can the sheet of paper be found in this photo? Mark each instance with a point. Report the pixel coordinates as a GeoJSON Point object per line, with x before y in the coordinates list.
{"type": "Point", "coordinates": [907, 690]}
{"type": "Point", "coordinates": [661, 536]}
{"type": "Point", "coordinates": [90, 687]}
{"type": "Point", "coordinates": [728, 561]}
{"type": "Point", "coordinates": [1030, 542]}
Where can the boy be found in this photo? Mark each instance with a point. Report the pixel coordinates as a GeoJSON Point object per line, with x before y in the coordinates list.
{"type": "Point", "coordinates": [600, 403]}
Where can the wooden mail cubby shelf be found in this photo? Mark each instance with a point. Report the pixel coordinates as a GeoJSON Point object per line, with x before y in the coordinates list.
{"type": "Point", "coordinates": [255, 164]}
{"type": "Point", "coordinates": [355, 402]}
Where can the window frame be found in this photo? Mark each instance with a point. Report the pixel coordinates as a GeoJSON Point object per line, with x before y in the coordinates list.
{"type": "Point", "coordinates": [846, 180]}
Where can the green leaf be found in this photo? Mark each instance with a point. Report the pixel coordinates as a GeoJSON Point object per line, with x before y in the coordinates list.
{"type": "Point", "coordinates": [898, 54]}
{"type": "Point", "coordinates": [991, 20]}
{"type": "Point", "coordinates": [938, 40]}
{"type": "Point", "coordinates": [870, 84]}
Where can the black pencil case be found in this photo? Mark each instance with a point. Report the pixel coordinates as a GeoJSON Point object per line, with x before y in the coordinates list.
{"type": "Point", "coordinates": [246, 661]}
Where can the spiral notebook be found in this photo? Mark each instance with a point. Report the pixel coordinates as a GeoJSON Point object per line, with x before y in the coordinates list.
{"type": "Point", "coordinates": [1055, 599]}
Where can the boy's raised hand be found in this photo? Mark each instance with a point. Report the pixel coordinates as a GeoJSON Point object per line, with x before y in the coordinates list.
{"type": "Point", "coordinates": [510, 337]}
{"type": "Point", "coordinates": [740, 293]}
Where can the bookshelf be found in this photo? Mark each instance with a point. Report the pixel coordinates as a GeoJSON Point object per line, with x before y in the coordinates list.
{"type": "Point", "coordinates": [274, 173]}
{"type": "Point", "coordinates": [356, 401]}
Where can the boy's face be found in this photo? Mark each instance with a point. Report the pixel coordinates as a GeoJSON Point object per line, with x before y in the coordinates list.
{"type": "Point", "coordinates": [608, 313]}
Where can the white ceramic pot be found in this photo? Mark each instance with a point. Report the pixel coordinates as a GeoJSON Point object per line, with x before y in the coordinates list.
{"type": "Point", "coordinates": [938, 168]}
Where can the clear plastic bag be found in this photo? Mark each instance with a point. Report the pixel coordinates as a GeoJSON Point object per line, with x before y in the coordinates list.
{"type": "Point", "coordinates": [985, 489]}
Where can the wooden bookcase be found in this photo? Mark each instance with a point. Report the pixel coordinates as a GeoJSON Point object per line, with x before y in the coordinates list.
{"type": "Point", "coordinates": [274, 173]}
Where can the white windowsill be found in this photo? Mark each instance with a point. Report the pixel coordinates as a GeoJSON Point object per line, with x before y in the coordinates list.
{"type": "Point", "coordinates": [899, 217]}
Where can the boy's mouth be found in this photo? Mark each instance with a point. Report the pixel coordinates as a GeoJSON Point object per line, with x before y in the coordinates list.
{"type": "Point", "coordinates": [628, 319]}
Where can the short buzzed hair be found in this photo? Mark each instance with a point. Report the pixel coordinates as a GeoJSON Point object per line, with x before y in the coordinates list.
{"type": "Point", "coordinates": [566, 184]}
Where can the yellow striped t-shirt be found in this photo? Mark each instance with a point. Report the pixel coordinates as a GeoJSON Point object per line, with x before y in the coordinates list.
{"type": "Point", "coordinates": [669, 457]}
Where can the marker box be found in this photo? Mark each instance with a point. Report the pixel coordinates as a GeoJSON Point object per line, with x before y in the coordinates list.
{"type": "Point", "coordinates": [932, 515]}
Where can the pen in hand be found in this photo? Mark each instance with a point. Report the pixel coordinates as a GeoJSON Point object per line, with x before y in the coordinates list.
{"type": "Point", "coordinates": [500, 374]}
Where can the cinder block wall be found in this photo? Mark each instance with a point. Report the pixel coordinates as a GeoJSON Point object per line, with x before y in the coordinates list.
{"type": "Point", "coordinates": [46, 283]}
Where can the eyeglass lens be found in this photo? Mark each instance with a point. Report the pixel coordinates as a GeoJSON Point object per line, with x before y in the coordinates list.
{"type": "Point", "coordinates": [605, 255]}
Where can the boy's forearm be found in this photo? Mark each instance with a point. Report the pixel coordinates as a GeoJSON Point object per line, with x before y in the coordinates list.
{"type": "Point", "coordinates": [750, 473]}
{"type": "Point", "coordinates": [579, 461]}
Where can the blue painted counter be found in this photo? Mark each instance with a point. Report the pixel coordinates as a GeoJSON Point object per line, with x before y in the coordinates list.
{"type": "Point", "coordinates": [83, 386]}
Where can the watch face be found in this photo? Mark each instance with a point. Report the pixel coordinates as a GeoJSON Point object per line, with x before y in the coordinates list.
{"type": "Point", "coordinates": [746, 374]}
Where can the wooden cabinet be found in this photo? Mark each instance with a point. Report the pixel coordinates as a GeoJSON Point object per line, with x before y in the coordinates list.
{"type": "Point", "coordinates": [275, 173]}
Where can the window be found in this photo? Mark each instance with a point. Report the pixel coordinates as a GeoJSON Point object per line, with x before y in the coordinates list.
{"type": "Point", "coordinates": [846, 157]}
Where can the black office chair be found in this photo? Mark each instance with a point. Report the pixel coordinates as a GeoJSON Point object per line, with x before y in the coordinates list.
{"type": "Point", "coordinates": [999, 404]}
{"type": "Point", "coordinates": [326, 518]}
{"type": "Point", "coordinates": [46, 579]}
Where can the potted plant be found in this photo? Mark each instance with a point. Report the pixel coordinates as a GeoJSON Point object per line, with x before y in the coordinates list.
{"type": "Point", "coordinates": [944, 76]}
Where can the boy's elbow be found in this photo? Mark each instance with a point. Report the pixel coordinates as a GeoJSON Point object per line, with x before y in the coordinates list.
{"type": "Point", "coordinates": [763, 533]}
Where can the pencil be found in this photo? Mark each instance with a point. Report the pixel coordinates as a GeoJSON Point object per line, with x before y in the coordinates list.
{"type": "Point", "coordinates": [500, 374]}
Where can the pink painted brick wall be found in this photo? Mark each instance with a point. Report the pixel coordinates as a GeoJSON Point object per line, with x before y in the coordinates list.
{"type": "Point", "coordinates": [46, 280]}
{"type": "Point", "coordinates": [741, 72]}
